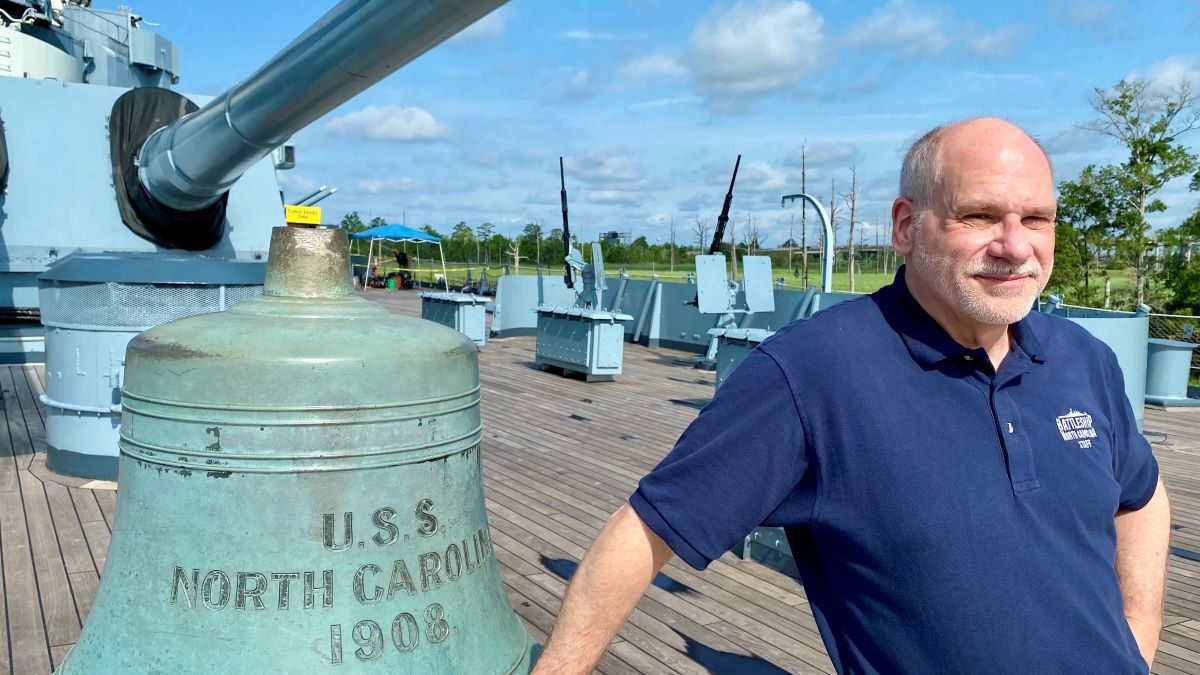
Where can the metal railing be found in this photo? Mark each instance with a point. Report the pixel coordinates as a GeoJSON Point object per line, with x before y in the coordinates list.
{"type": "Point", "coordinates": [1181, 327]}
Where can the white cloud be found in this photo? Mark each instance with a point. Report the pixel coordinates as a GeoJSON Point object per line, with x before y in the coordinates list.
{"type": "Point", "coordinates": [587, 35]}
{"type": "Point", "coordinates": [901, 24]}
{"type": "Point", "coordinates": [295, 183]}
{"type": "Point", "coordinates": [541, 198]}
{"type": "Point", "coordinates": [1074, 140]}
{"type": "Point", "coordinates": [1165, 75]}
{"type": "Point", "coordinates": [662, 102]}
{"type": "Point", "coordinates": [487, 28]}
{"type": "Point", "coordinates": [390, 123]}
{"type": "Point", "coordinates": [1097, 16]}
{"type": "Point", "coordinates": [581, 85]}
{"type": "Point", "coordinates": [838, 155]}
{"type": "Point", "coordinates": [754, 49]}
{"type": "Point", "coordinates": [882, 188]}
{"type": "Point", "coordinates": [753, 177]}
{"type": "Point", "coordinates": [697, 202]}
{"type": "Point", "coordinates": [378, 186]}
{"type": "Point", "coordinates": [998, 44]}
{"type": "Point", "coordinates": [614, 197]}
{"type": "Point", "coordinates": [611, 167]}
{"type": "Point", "coordinates": [641, 70]}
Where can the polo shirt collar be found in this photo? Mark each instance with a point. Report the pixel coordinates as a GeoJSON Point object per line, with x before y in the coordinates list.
{"type": "Point", "coordinates": [927, 342]}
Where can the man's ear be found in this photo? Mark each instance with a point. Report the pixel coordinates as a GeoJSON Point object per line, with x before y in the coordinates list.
{"type": "Point", "coordinates": [902, 225]}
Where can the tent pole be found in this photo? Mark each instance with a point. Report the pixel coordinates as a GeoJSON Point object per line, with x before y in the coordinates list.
{"type": "Point", "coordinates": [367, 269]}
{"type": "Point", "coordinates": [445, 277]}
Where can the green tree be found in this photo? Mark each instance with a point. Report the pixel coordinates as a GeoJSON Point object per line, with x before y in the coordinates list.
{"type": "Point", "coordinates": [428, 229]}
{"type": "Point", "coordinates": [483, 234]}
{"type": "Point", "coordinates": [498, 244]}
{"type": "Point", "coordinates": [351, 223]}
{"type": "Point", "coordinates": [1148, 123]}
{"type": "Point", "coordinates": [376, 222]}
{"type": "Point", "coordinates": [1093, 210]}
{"type": "Point", "coordinates": [462, 244]}
{"type": "Point", "coordinates": [1070, 262]}
{"type": "Point", "coordinates": [1182, 270]}
{"type": "Point", "coordinates": [553, 251]}
{"type": "Point", "coordinates": [531, 242]}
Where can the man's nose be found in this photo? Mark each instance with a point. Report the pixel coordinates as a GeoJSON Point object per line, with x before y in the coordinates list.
{"type": "Point", "coordinates": [1012, 241]}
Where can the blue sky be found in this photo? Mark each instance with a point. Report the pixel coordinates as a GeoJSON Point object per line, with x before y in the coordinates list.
{"type": "Point", "coordinates": [650, 101]}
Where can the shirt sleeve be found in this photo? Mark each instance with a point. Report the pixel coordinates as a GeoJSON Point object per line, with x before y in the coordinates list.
{"type": "Point", "coordinates": [731, 468]}
{"type": "Point", "coordinates": [1134, 465]}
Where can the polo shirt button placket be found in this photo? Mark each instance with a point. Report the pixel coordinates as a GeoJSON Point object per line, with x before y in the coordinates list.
{"type": "Point", "coordinates": [1018, 454]}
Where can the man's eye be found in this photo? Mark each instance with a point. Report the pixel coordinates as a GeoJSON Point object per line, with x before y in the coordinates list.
{"type": "Point", "coordinates": [1038, 223]}
{"type": "Point", "coordinates": [978, 217]}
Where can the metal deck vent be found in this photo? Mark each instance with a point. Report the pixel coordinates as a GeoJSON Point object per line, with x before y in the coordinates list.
{"type": "Point", "coordinates": [114, 305]}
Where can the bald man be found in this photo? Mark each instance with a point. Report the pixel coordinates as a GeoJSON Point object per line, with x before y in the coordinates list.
{"type": "Point", "coordinates": [962, 482]}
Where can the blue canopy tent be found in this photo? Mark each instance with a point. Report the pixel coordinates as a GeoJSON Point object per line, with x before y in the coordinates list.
{"type": "Point", "coordinates": [399, 234]}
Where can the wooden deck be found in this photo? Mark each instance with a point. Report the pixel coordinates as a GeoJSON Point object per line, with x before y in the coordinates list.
{"type": "Point", "coordinates": [559, 456]}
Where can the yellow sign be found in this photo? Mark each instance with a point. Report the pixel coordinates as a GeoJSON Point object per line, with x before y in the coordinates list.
{"type": "Point", "coordinates": [303, 215]}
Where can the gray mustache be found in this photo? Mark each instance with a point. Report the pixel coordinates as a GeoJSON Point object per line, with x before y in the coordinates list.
{"type": "Point", "coordinates": [1030, 268]}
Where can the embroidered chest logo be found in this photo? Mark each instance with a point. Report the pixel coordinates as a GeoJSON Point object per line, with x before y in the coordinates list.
{"type": "Point", "coordinates": [1077, 426]}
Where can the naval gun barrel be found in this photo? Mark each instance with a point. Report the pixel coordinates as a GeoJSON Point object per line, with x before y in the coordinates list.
{"type": "Point", "coordinates": [189, 164]}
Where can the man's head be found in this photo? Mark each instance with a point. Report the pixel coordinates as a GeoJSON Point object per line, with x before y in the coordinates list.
{"type": "Point", "coordinates": [975, 220]}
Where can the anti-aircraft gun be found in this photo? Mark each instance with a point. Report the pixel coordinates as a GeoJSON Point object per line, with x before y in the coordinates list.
{"type": "Point", "coordinates": [585, 337]}
{"type": "Point", "coordinates": [568, 273]}
{"type": "Point", "coordinates": [128, 204]}
{"type": "Point", "coordinates": [717, 294]}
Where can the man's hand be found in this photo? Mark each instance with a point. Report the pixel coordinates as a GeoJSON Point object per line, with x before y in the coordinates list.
{"type": "Point", "coordinates": [611, 578]}
{"type": "Point", "coordinates": [1143, 538]}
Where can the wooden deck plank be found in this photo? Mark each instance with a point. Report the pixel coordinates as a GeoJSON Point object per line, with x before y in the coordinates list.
{"type": "Point", "coordinates": [548, 493]}
{"type": "Point", "coordinates": [83, 587]}
{"type": "Point", "coordinates": [57, 654]}
{"type": "Point", "coordinates": [27, 634]}
{"type": "Point", "coordinates": [76, 555]}
{"type": "Point", "coordinates": [98, 536]}
{"type": "Point", "coordinates": [107, 499]}
{"type": "Point", "coordinates": [58, 606]}
{"type": "Point", "coordinates": [86, 505]}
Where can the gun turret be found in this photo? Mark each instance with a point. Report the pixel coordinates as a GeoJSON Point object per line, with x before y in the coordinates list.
{"type": "Point", "coordinates": [188, 166]}
{"type": "Point", "coordinates": [723, 219]}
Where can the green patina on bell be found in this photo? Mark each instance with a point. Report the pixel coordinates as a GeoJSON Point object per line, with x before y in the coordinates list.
{"type": "Point", "coordinates": [300, 492]}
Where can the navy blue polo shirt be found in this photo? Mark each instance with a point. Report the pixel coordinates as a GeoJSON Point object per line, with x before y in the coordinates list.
{"type": "Point", "coordinates": [945, 517]}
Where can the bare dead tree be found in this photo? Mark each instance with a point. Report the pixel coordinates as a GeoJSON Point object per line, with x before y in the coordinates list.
{"type": "Point", "coordinates": [700, 229]}
{"type": "Point", "coordinates": [672, 244]}
{"type": "Point", "coordinates": [804, 213]}
{"type": "Point", "coordinates": [751, 238]}
{"type": "Point", "coordinates": [515, 252]}
{"type": "Point", "coordinates": [851, 199]}
{"type": "Point", "coordinates": [833, 226]}
{"type": "Point", "coordinates": [791, 242]}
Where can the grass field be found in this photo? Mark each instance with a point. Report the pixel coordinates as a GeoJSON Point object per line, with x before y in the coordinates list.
{"type": "Point", "coordinates": [865, 280]}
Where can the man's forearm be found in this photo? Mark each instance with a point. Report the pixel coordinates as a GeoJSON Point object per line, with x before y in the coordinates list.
{"type": "Point", "coordinates": [1143, 538]}
{"type": "Point", "coordinates": [612, 577]}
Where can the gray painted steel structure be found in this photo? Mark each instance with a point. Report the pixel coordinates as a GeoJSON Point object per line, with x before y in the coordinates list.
{"type": "Point", "coordinates": [463, 312]}
{"type": "Point", "coordinates": [223, 147]}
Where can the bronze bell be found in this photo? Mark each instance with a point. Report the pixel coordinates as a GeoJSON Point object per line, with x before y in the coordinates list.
{"type": "Point", "coordinates": [300, 492]}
